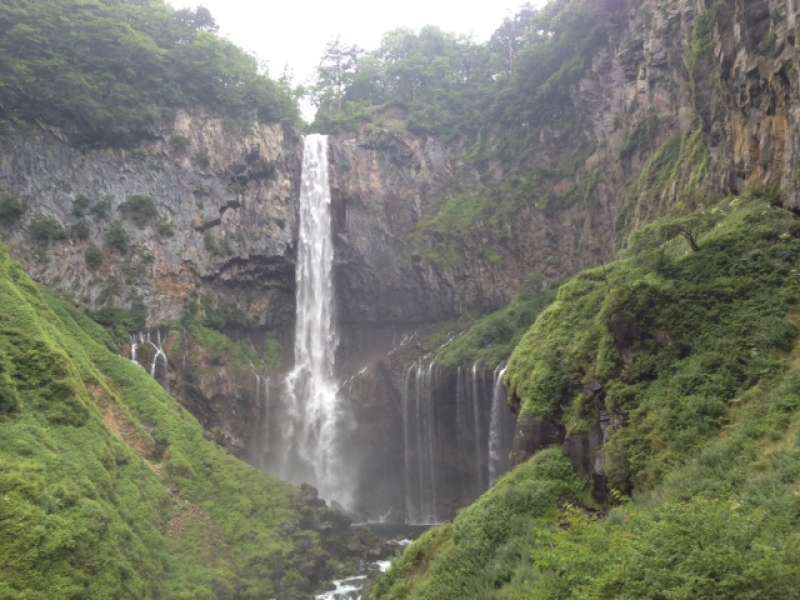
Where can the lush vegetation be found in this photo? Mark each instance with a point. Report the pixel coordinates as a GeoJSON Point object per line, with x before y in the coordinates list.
{"type": "Point", "coordinates": [480, 551]}
{"type": "Point", "coordinates": [108, 71]}
{"type": "Point", "coordinates": [691, 336]}
{"type": "Point", "coordinates": [110, 490]}
{"type": "Point", "coordinates": [451, 86]}
{"type": "Point", "coordinates": [491, 339]}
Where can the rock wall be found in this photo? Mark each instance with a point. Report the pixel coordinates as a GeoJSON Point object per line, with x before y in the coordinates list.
{"type": "Point", "coordinates": [223, 233]}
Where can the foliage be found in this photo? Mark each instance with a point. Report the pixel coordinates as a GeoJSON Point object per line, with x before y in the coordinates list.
{"type": "Point", "coordinates": [117, 238]}
{"type": "Point", "coordinates": [109, 71]}
{"type": "Point", "coordinates": [11, 208]}
{"type": "Point", "coordinates": [453, 87]}
{"type": "Point", "coordinates": [223, 350]}
{"type": "Point", "coordinates": [166, 229]}
{"type": "Point", "coordinates": [79, 231]}
{"type": "Point", "coordinates": [111, 490]}
{"type": "Point", "coordinates": [45, 229]}
{"type": "Point", "coordinates": [674, 179]}
{"type": "Point", "coordinates": [94, 257]}
{"type": "Point", "coordinates": [696, 355]}
{"type": "Point", "coordinates": [669, 334]}
{"type": "Point", "coordinates": [139, 209]}
{"type": "Point", "coordinates": [80, 206]}
{"type": "Point", "coordinates": [491, 339]}
{"type": "Point", "coordinates": [478, 552]}
{"type": "Point", "coordinates": [101, 209]}
{"type": "Point", "coordinates": [485, 218]}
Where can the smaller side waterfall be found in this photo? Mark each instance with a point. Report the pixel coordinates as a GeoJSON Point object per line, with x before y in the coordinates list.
{"type": "Point", "coordinates": [158, 353]}
{"type": "Point", "coordinates": [457, 432]}
{"type": "Point", "coordinates": [262, 435]}
{"type": "Point", "coordinates": [498, 451]}
{"type": "Point", "coordinates": [158, 364]}
{"type": "Point", "coordinates": [420, 455]}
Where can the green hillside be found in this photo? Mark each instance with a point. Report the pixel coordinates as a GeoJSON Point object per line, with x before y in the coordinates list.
{"type": "Point", "coordinates": [692, 336]}
{"type": "Point", "coordinates": [108, 489]}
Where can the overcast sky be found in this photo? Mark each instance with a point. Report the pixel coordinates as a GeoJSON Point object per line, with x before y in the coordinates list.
{"type": "Point", "coordinates": [294, 33]}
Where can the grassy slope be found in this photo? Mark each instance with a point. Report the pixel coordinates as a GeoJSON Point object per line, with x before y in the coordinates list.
{"type": "Point", "coordinates": [109, 490]}
{"type": "Point", "coordinates": [698, 359]}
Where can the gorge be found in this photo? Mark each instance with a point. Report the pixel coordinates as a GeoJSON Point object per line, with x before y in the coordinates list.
{"type": "Point", "coordinates": [535, 296]}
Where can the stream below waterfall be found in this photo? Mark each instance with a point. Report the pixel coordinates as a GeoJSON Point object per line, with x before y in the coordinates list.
{"type": "Point", "coordinates": [353, 586]}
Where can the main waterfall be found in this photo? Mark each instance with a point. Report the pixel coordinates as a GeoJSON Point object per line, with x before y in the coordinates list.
{"type": "Point", "coordinates": [314, 412]}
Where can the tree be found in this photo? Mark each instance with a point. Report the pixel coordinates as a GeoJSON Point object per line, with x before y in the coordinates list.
{"type": "Point", "coordinates": [335, 74]}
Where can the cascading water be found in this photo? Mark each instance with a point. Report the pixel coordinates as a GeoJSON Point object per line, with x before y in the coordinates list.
{"type": "Point", "coordinates": [264, 418]}
{"type": "Point", "coordinates": [457, 433]}
{"type": "Point", "coordinates": [314, 413]}
{"type": "Point", "coordinates": [499, 411]}
{"type": "Point", "coordinates": [419, 437]}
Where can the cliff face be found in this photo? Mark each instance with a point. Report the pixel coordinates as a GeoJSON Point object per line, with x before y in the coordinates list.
{"type": "Point", "coordinates": [207, 210]}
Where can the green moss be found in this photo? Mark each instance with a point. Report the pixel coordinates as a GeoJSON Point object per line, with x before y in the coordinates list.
{"type": "Point", "coordinates": [668, 331]}
{"type": "Point", "coordinates": [674, 179]}
{"type": "Point", "coordinates": [224, 349]}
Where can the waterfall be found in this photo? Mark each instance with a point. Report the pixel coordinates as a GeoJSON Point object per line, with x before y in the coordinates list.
{"type": "Point", "coordinates": [420, 456]}
{"type": "Point", "coordinates": [135, 349]}
{"type": "Point", "coordinates": [314, 412]}
{"type": "Point", "coordinates": [158, 353]}
{"type": "Point", "coordinates": [410, 483]}
{"type": "Point", "coordinates": [476, 393]}
{"type": "Point", "coordinates": [264, 422]}
{"type": "Point", "coordinates": [499, 408]}
{"type": "Point", "coordinates": [457, 433]}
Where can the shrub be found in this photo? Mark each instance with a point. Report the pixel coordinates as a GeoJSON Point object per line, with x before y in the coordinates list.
{"type": "Point", "coordinates": [94, 257]}
{"type": "Point", "coordinates": [101, 209]}
{"type": "Point", "coordinates": [79, 231]}
{"type": "Point", "coordinates": [11, 208]}
{"type": "Point", "coordinates": [165, 229]}
{"type": "Point", "coordinates": [180, 143]}
{"type": "Point", "coordinates": [80, 206]}
{"type": "Point", "coordinates": [139, 209]}
{"type": "Point", "coordinates": [45, 229]}
{"type": "Point", "coordinates": [117, 238]}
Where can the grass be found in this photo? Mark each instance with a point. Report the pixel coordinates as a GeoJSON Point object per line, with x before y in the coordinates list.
{"type": "Point", "coordinates": [111, 490]}
{"type": "Point", "coordinates": [470, 558]}
{"type": "Point", "coordinates": [491, 339]}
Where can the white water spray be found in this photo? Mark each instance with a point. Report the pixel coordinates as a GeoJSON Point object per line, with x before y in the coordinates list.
{"type": "Point", "coordinates": [314, 410]}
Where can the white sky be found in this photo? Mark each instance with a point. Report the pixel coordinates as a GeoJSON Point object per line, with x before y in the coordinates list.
{"type": "Point", "coordinates": [293, 33]}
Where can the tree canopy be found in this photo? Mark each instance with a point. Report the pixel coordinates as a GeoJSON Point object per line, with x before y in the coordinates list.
{"type": "Point", "coordinates": [454, 86]}
{"type": "Point", "coordinates": [106, 71]}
